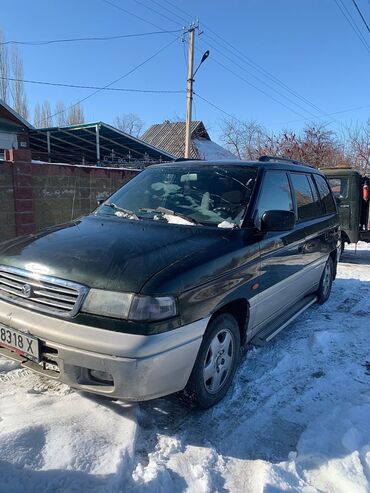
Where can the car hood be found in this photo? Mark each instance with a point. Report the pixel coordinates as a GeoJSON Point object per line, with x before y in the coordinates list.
{"type": "Point", "coordinates": [108, 252]}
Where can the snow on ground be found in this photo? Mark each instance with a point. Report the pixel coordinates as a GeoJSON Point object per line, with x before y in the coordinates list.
{"type": "Point", "coordinates": [296, 420]}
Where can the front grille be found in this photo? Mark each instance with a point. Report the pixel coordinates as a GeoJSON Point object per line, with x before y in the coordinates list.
{"type": "Point", "coordinates": [41, 292]}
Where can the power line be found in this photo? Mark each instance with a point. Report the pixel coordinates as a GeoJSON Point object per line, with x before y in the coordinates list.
{"type": "Point", "coordinates": [281, 123]}
{"type": "Point", "coordinates": [342, 7]}
{"type": "Point", "coordinates": [362, 17]}
{"type": "Point", "coordinates": [216, 107]}
{"type": "Point", "coordinates": [232, 49]}
{"type": "Point", "coordinates": [237, 75]}
{"type": "Point", "coordinates": [216, 61]}
{"type": "Point", "coordinates": [155, 11]}
{"type": "Point", "coordinates": [178, 8]}
{"type": "Point", "coordinates": [182, 19]}
{"type": "Point", "coordinates": [255, 87]}
{"type": "Point", "coordinates": [96, 38]}
{"type": "Point", "coordinates": [248, 61]}
{"type": "Point", "coordinates": [112, 4]}
{"type": "Point", "coordinates": [78, 86]}
{"type": "Point", "coordinates": [184, 53]}
{"type": "Point", "coordinates": [243, 58]}
{"type": "Point", "coordinates": [262, 81]}
{"type": "Point", "coordinates": [118, 79]}
{"type": "Point", "coordinates": [348, 110]}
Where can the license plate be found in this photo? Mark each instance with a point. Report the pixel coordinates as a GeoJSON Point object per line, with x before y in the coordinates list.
{"type": "Point", "coordinates": [19, 342]}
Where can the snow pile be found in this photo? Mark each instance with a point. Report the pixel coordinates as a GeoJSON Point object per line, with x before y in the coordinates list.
{"type": "Point", "coordinates": [210, 151]}
{"type": "Point", "coordinates": [296, 420]}
{"type": "Point", "coordinates": [55, 440]}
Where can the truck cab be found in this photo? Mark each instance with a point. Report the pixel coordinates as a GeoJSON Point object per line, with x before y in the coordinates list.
{"type": "Point", "coordinates": [351, 191]}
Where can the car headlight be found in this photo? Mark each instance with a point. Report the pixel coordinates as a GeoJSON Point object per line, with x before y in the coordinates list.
{"type": "Point", "coordinates": [129, 306]}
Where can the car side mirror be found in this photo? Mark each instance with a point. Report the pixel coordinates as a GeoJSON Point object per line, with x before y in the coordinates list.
{"type": "Point", "coordinates": [101, 201]}
{"type": "Point", "coordinates": [278, 221]}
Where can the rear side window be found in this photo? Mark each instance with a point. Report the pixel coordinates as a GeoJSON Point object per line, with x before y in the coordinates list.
{"type": "Point", "coordinates": [339, 187]}
{"type": "Point", "coordinates": [275, 193]}
{"type": "Point", "coordinates": [308, 203]}
{"type": "Point", "coordinates": [325, 194]}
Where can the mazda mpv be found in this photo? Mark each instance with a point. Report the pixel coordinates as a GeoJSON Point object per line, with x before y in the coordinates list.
{"type": "Point", "coordinates": [158, 289]}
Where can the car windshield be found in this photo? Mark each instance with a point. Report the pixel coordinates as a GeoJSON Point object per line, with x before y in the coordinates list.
{"type": "Point", "coordinates": [202, 194]}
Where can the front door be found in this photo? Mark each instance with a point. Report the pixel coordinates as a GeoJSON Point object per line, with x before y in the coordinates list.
{"type": "Point", "coordinates": [282, 253]}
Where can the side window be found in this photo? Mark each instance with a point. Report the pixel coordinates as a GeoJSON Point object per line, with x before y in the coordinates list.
{"type": "Point", "coordinates": [275, 193]}
{"type": "Point", "coordinates": [339, 187]}
{"type": "Point", "coordinates": [315, 193]}
{"type": "Point", "coordinates": [325, 194]}
{"type": "Point", "coordinates": [308, 207]}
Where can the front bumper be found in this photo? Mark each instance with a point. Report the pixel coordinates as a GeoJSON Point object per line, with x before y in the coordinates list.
{"type": "Point", "coordinates": [140, 367]}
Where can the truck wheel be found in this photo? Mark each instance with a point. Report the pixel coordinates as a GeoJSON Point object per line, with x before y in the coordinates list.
{"type": "Point", "coordinates": [326, 282]}
{"type": "Point", "coordinates": [216, 363]}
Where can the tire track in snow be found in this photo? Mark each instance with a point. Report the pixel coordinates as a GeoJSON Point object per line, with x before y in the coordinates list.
{"type": "Point", "coordinates": [280, 391]}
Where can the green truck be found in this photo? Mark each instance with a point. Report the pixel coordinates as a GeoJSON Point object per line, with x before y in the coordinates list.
{"type": "Point", "coordinates": [351, 190]}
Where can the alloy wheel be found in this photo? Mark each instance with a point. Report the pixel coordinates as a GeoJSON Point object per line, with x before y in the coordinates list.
{"type": "Point", "coordinates": [219, 360]}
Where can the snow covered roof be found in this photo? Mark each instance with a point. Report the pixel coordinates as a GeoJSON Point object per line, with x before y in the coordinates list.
{"type": "Point", "coordinates": [210, 151]}
{"type": "Point", "coordinates": [170, 136]}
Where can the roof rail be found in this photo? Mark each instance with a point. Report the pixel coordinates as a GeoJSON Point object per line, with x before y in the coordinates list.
{"type": "Point", "coordinates": [265, 159]}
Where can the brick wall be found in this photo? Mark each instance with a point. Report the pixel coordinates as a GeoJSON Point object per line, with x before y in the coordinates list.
{"type": "Point", "coordinates": [35, 196]}
{"type": "Point", "coordinates": [7, 213]}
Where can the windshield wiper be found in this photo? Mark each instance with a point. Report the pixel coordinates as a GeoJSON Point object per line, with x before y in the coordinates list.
{"type": "Point", "coordinates": [129, 214]}
{"type": "Point", "coordinates": [163, 211]}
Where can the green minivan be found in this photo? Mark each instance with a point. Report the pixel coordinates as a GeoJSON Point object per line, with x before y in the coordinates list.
{"type": "Point", "coordinates": [159, 288]}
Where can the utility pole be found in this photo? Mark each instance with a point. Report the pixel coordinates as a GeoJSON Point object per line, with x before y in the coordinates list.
{"type": "Point", "coordinates": [189, 87]}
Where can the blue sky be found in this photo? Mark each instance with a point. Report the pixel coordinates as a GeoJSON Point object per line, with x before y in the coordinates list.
{"type": "Point", "coordinates": [306, 44]}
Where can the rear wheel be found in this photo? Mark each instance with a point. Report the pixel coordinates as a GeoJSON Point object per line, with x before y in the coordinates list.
{"type": "Point", "coordinates": [326, 282]}
{"type": "Point", "coordinates": [216, 363]}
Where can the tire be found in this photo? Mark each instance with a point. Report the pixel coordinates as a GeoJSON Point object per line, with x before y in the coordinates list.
{"type": "Point", "coordinates": [221, 337]}
{"type": "Point", "coordinates": [326, 282]}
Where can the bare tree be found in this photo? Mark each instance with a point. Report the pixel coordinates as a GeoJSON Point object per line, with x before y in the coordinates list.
{"type": "Point", "coordinates": [245, 139]}
{"type": "Point", "coordinates": [75, 115]}
{"type": "Point", "coordinates": [60, 114]}
{"type": "Point", "coordinates": [232, 137]}
{"type": "Point", "coordinates": [37, 115]}
{"type": "Point", "coordinates": [19, 96]}
{"type": "Point", "coordinates": [130, 123]}
{"type": "Point", "coordinates": [358, 140]}
{"type": "Point", "coordinates": [285, 144]}
{"type": "Point", "coordinates": [4, 69]}
{"type": "Point", "coordinates": [46, 119]}
{"type": "Point", "coordinates": [316, 144]}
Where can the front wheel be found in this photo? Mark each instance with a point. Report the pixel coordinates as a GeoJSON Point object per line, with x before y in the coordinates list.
{"type": "Point", "coordinates": [326, 282]}
{"type": "Point", "coordinates": [216, 363]}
